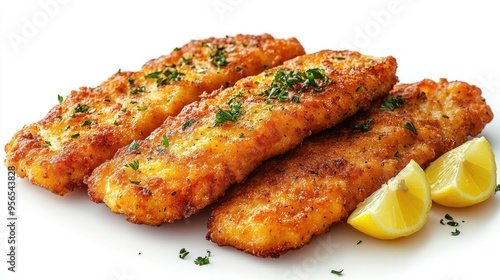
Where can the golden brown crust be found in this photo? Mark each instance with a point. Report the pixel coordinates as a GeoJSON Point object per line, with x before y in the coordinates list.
{"type": "Point", "coordinates": [90, 125]}
{"type": "Point", "coordinates": [294, 197]}
{"type": "Point", "coordinates": [203, 158]}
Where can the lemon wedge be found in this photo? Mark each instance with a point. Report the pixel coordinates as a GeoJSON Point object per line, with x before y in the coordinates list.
{"type": "Point", "coordinates": [399, 208]}
{"type": "Point", "coordinates": [464, 176]}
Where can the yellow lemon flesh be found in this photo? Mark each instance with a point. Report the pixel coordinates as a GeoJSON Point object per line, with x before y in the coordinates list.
{"type": "Point", "coordinates": [399, 208]}
{"type": "Point", "coordinates": [464, 176]}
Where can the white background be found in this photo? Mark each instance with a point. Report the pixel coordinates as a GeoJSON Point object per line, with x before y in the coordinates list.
{"type": "Point", "coordinates": [51, 47]}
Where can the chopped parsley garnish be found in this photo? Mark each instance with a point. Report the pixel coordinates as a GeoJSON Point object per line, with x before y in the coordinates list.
{"type": "Point", "coordinates": [445, 116]}
{"type": "Point", "coordinates": [135, 182]}
{"type": "Point", "coordinates": [133, 146]}
{"type": "Point", "coordinates": [134, 165]}
{"type": "Point", "coordinates": [131, 81]}
{"type": "Point", "coordinates": [337, 272]}
{"type": "Point", "coordinates": [392, 103]}
{"type": "Point", "coordinates": [87, 122]}
{"type": "Point", "coordinates": [411, 127]}
{"type": "Point", "coordinates": [186, 61]}
{"type": "Point", "coordinates": [364, 127]}
{"type": "Point", "coordinates": [165, 141]}
{"type": "Point", "coordinates": [115, 122]}
{"type": "Point", "coordinates": [188, 123]}
{"type": "Point", "coordinates": [76, 135]}
{"type": "Point", "coordinates": [48, 143]}
{"type": "Point", "coordinates": [358, 89]}
{"type": "Point", "coordinates": [82, 108]}
{"type": "Point", "coordinates": [60, 98]}
{"type": "Point", "coordinates": [218, 58]}
{"type": "Point", "coordinates": [451, 222]}
{"type": "Point", "coordinates": [235, 110]}
{"type": "Point", "coordinates": [286, 80]}
{"type": "Point", "coordinates": [203, 260]}
{"type": "Point", "coordinates": [183, 253]}
{"type": "Point", "coordinates": [140, 109]}
{"type": "Point", "coordinates": [170, 74]}
{"type": "Point", "coordinates": [138, 89]}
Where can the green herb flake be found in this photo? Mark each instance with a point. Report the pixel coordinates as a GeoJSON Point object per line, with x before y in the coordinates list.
{"type": "Point", "coordinates": [135, 182]}
{"type": "Point", "coordinates": [86, 122]}
{"type": "Point", "coordinates": [396, 154]}
{"type": "Point", "coordinates": [286, 80]}
{"type": "Point", "coordinates": [363, 127]}
{"type": "Point", "coordinates": [76, 135]}
{"type": "Point", "coordinates": [218, 58]}
{"type": "Point", "coordinates": [358, 89]}
{"type": "Point", "coordinates": [391, 103]}
{"type": "Point", "coordinates": [60, 98]}
{"type": "Point", "coordinates": [452, 223]}
{"type": "Point", "coordinates": [138, 89]}
{"type": "Point", "coordinates": [141, 109]}
{"type": "Point", "coordinates": [183, 253]}
{"type": "Point", "coordinates": [47, 143]}
{"type": "Point", "coordinates": [115, 122]}
{"type": "Point", "coordinates": [337, 272]}
{"type": "Point", "coordinates": [133, 146]}
{"type": "Point", "coordinates": [188, 123]}
{"type": "Point", "coordinates": [131, 81]}
{"type": "Point", "coordinates": [82, 108]}
{"type": "Point", "coordinates": [235, 110]}
{"type": "Point", "coordinates": [165, 141]}
{"type": "Point", "coordinates": [203, 260]}
{"type": "Point", "coordinates": [134, 165]}
{"type": "Point", "coordinates": [169, 75]}
{"type": "Point", "coordinates": [455, 233]}
{"type": "Point", "coordinates": [445, 116]}
{"type": "Point", "coordinates": [296, 99]}
{"type": "Point", "coordinates": [411, 127]}
{"type": "Point", "coordinates": [186, 61]}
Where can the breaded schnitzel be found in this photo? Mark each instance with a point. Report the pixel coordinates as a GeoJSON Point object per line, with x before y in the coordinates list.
{"type": "Point", "coordinates": [192, 159]}
{"type": "Point", "coordinates": [291, 198]}
{"type": "Point", "coordinates": [89, 125]}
